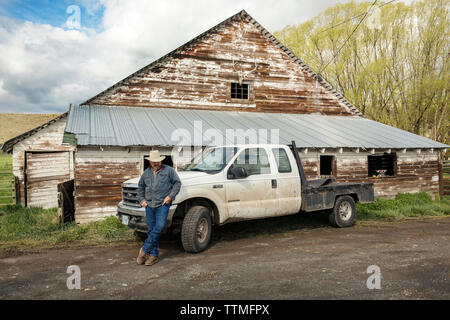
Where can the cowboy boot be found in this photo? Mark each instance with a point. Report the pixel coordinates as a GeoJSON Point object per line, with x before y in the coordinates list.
{"type": "Point", "coordinates": [151, 261]}
{"type": "Point", "coordinates": [142, 257]}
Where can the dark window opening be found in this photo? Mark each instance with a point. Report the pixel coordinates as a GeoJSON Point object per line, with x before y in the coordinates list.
{"type": "Point", "coordinates": [382, 165]}
{"type": "Point", "coordinates": [167, 161]}
{"type": "Point", "coordinates": [239, 91]}
{"type": "Point", "coordinates": [326, 165]}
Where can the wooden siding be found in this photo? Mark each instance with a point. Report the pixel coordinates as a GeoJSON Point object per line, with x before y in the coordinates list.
{"type": "Point", "coordinates": [44, 172]}
{"type": "Point", "coordinates": [200, 77]}
{"type": "Point", "coordinates": [47, 139]}
{"type": "Point", "coordinates": [415, 172]}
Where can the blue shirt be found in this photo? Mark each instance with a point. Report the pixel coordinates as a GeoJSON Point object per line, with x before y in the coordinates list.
{"type": "Point", "coordinates": [154, 187]}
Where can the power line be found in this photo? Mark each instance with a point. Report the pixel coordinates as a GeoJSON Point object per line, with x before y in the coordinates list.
{"type": "Point", "coordinates": [339, 50]}
{"type": "Point", "coordinates": [353, 18]}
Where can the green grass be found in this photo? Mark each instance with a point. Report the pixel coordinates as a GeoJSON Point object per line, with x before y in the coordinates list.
{"type": "Point", "coordinates": [30, 229]}
{"type": "Point", "coordinates": [5, 179]}
{"type": "Point", "coordinates": [403, 206]}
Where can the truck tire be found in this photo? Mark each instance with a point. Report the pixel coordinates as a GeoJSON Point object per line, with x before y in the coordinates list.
{"type": "Point", "coordinates": [196, 229]}
{"type": "Point", "coordinates": [343, 213]}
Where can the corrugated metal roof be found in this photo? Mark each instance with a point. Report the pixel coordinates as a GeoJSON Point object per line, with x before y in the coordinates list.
{"type": "Point", "coordinates": [134, 126]}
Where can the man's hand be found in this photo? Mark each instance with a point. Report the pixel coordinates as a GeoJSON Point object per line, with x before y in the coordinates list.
{"type": "Point", "coordinates": [143, 203]}
{"type": "Point", "coordinates": [166, 200]}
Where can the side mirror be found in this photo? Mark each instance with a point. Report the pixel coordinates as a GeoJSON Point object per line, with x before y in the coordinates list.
{"type": "Point", "coordinates": [236, 172]}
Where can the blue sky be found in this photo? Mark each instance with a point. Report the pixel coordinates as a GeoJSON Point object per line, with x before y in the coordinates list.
{"type": "Point", "coordinates": [52, 12]}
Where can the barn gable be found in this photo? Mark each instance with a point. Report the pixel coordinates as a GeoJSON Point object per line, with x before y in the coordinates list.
{"type": "Point", "coordinates": [199, 75]}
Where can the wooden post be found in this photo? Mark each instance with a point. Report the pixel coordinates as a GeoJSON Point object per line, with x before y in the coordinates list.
{"type": "Point", "coordinates": [441, 179]}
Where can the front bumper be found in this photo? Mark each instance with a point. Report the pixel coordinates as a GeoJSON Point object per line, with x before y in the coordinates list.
{"type": "Point", "coordinates": [137, 219]}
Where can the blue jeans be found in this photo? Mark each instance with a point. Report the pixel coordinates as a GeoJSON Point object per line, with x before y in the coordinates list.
{"type": "Point", "coordinates": [156, 220]}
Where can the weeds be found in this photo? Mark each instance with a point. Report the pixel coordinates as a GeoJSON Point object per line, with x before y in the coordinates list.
{"type": "Point", "coordinates": [36, 227]}
{"type": "Point", "coordinates": [404, 205]}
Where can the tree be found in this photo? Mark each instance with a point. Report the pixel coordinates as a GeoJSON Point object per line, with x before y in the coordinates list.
{"type": "Point", "coordinates": [395, 65]}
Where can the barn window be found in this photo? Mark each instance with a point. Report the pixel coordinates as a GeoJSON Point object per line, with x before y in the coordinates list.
{"type": "Point", "coordinates": [326, 165]}
{"type": "Point", "coordinates": [239, 91]}
{"type": "Point", "coordinates": [382, 165]}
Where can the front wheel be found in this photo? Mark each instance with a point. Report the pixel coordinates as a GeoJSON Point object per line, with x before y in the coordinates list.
{"type": "Point", "coordinates": [196, 229]}
{"type": "Point", "coordinates": [343, 213]}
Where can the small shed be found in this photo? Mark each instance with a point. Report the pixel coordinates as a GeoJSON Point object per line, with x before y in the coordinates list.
{"type": "Point", "coordinates": [41, 162]}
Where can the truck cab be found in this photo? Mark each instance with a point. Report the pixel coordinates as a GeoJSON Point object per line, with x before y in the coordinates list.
{"type": "Point", "coordinates": [240, 182]}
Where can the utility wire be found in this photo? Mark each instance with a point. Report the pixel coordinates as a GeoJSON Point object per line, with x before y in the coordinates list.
{"type": "Point", "coordinates": [352, 18]}
{"type": "Point", "coordinates": [339, 50]}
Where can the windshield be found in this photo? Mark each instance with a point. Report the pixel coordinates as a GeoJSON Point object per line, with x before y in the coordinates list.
{"type": "Point", "coordinates": [211, 160]}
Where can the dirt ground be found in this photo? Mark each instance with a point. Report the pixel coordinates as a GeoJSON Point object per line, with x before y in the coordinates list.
{"type": "Point", "coordinates": [300, 258]}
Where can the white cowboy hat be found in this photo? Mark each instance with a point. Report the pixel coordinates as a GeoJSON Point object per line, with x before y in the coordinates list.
{"type": "Point", "coordinates": [155, 156]}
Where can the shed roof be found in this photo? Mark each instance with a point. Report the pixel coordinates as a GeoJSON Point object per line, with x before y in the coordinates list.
{"type": "Point", "coordinates": [8, 145]}
{"type": "Point", "coordinates": [137, 126]}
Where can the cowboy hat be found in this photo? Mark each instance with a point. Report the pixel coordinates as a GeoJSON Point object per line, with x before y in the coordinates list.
{"type": "Point", "coordinates": [155, 156]}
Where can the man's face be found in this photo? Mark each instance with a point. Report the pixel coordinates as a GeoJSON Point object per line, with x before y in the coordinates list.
{"type": "Point", "coordinates": [155, 165]}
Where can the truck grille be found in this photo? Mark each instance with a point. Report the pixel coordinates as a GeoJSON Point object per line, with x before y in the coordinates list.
{"type": "Point", "coordinates": [129, 196]}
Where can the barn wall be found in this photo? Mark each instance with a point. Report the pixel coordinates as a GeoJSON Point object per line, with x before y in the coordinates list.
{"type": "Point", "coordinates": [415, 172]}
{"type": "Point", "coordinates": [47, 139]}
{"type": "Point", "coordinates": [99, 176]}
{"type": "Point", "coordinates": [200, 77]}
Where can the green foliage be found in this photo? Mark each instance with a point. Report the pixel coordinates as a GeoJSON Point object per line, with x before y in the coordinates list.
{"type": "Point", "coordinates": [394, 68]}
{"type": "Point", "coordinates": [404, 205]}
{"type": "Point", "coordinates": [6, 196]}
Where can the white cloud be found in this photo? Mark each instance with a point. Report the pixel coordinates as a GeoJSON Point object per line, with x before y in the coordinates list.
{"type": "Point", "coordinates": [44, 68]}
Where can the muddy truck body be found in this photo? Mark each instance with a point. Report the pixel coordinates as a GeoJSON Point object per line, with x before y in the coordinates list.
{"type": "Point", "coordinates": [243, 182]}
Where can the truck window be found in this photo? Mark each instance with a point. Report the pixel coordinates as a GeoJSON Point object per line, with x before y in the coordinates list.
{"type": "Point", "coordinates": [211, 160]}
{"type": "Point", "coordinates": [254, 160]}
{"type": "Point", "coordinates": [282, 160]}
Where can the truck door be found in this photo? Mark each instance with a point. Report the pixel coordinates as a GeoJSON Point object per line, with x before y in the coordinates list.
{"type": "Point", "coordinates": [288, 182]}
{"type": "Point", "coordinates": [254, 196]}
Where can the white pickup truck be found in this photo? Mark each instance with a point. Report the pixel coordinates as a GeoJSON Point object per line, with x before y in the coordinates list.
{"type": "Point", "coordinates": [242, 182]}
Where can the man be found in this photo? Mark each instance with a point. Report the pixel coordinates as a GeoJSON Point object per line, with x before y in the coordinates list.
{"type": "Point", "coordinates": [157, 188]}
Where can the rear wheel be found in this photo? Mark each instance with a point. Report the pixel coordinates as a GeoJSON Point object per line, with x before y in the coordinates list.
{"type": "Point", "coordinates": [343, 213]}
{"type": "Point", "coordinates": [196, 229]}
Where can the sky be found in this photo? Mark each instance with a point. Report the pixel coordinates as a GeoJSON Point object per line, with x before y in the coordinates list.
{"type": "Point", "coordinates": [57, 52]}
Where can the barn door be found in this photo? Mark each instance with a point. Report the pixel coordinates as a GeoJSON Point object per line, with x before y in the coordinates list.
{"type": "Point", "coordinates": [66, 201]}
{"type": "Point", "coordinates": [43, 172]}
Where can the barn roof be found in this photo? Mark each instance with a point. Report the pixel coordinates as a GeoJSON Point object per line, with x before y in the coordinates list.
{"type": "Point", "coordinates": [137, 126]}
{"type": "Point", "coordinates": [242, 14]}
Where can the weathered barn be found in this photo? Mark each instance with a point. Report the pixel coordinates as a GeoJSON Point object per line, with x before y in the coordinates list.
{"type": "Point", "coordinates": [235, 76]}
{"type": "Point", "coordinates": [41, 162]}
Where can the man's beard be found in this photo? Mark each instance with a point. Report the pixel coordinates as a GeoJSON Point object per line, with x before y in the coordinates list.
{"type": "Point", "coordinates": [156, 166]}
